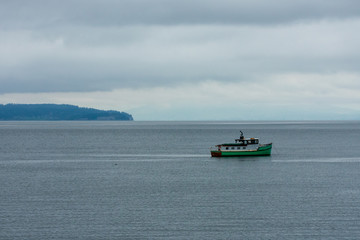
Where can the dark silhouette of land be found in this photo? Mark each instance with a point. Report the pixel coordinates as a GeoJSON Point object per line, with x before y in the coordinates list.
{"type": "Point", "coordinates": [56, 112]}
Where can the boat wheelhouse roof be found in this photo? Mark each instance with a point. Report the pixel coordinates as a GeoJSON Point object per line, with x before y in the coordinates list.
{"type": "Point", "coordinates": [242, 142]}
{"type": "Point", "coordinates": [245, 139]}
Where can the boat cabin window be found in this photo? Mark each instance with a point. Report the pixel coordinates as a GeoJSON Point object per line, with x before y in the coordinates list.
{"type": "Point", "coordinates": [227, 148]}
{"type": "Point", "coordinates": [253, 141]}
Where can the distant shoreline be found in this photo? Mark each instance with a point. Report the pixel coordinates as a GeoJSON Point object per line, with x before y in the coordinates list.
{"type": "Point", "coordinates": [58, 112]}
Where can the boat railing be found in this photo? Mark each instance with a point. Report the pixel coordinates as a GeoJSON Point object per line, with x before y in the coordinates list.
{"type": "Point", "coordinates": [265, 145]}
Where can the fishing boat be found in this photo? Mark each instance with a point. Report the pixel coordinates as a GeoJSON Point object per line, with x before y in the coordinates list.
{"type": "Point", "coordinates": [242, 147]}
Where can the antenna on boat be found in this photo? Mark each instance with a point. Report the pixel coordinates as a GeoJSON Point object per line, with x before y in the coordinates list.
{"type": "Point", "coordinates": [241, 135]}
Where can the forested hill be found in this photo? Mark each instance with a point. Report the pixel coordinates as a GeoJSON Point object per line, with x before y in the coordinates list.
{"type": "Point", "coordinates": [53, 112]}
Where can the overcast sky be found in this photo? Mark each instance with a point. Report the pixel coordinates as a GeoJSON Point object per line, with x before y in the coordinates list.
{"type": "Point", "coordinates": [185, 60]}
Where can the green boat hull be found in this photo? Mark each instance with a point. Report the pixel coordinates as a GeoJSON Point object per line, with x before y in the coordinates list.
{"type": "Point", "coordinates": [261, 151]}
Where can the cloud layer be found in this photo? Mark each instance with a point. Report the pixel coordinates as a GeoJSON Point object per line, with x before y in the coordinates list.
{"type": "Point", "coordinates": [53, 13]}
{"type": "Point", "coordinates": [107, 58]}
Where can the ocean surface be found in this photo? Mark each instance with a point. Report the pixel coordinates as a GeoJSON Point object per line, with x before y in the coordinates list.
{"type": "Point", "coordinates": [157, 180]}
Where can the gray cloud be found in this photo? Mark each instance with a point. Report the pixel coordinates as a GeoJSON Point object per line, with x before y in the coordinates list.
{"type": "Point", "coordinates": [50, 13]}
{"type": "Point", "coordinates": [52, 46]}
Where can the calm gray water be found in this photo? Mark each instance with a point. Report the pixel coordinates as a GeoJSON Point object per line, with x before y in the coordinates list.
{"type": "Point", "coordinates": [156, 180]}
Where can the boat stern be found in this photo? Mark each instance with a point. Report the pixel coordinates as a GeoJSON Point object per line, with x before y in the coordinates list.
{"type": "Point", "coordinates": [216, 153]}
